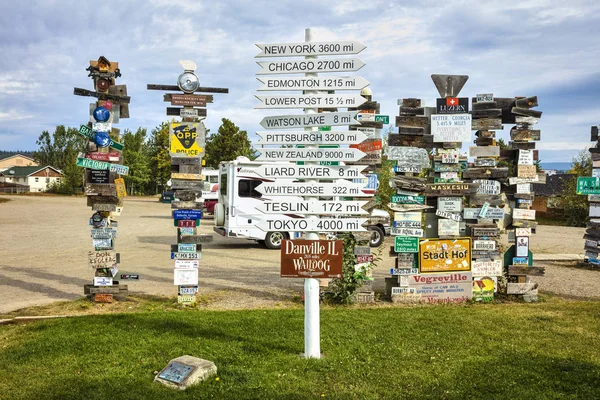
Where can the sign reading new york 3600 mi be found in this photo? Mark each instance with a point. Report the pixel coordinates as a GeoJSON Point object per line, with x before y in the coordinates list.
{"type": "Point", "coordinates": [186, 139]}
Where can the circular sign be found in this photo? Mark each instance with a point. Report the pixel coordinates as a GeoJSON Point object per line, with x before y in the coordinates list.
{"type": "Point", "coordinates": [97, 219]}
{"type": "Point", "coordinates": [169, 183]}
{"type": "Point", "coordinates": [102, 139]}
{"type": "Point", "coordinates": [102, 85]}
{"type": "Point", "coordinates": [188, 82]}
{"type": "Point", "coordinates": [101, 114]}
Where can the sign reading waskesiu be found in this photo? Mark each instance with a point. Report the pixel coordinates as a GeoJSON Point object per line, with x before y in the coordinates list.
{"type": "Point", "coordinates": [311, 259]}
{"type": "Point", "coordinates": [451, 127]}
{"type": "Point", "coordinates": [450, 255]}
{"type": "Point", "coordinates": [442, 288]}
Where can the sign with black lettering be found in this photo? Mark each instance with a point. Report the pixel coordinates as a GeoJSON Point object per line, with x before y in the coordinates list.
{"type": "Point", "coordinates": [437, 255]}
{"type": "Point", "coordinates": [452, 105]}
{"type": "Point", "coordinates": [99, 176]}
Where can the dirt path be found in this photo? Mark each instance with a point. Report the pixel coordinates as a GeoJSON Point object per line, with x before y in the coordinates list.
{"type": "Point", "coordinates": [45, 240]}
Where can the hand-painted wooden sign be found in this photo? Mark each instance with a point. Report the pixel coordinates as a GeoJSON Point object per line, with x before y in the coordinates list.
{"type": "Point", "coordinates": [188, 100]}
{"type": "Point", "coordinates": [186, 139]}
{"type": "Point", "coordinates": [437, 255]}
{"type": "Point", "coordinates": [311, 259]}
{"type": "Point", "coordinates": [526, 171]}
{"type": "Point", "coordinates": [519, 213]}
{"type": "Point", "coordinates": [446, 189]}
{"type": "Point", "coordinates": [102, 259]}
{"type": "Point", "coordinates": [451, 127]}
{"type": "Point", "coordinates": [186, 112]}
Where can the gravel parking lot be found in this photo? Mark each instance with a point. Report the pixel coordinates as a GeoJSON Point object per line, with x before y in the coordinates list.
{"type": "Point", "coordinates": [45, 240]}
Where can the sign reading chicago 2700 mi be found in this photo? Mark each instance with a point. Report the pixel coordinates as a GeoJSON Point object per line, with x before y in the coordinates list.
{"type": "Point", "coordinates": [186, 139]}
{"type": "Point", "coordinates": [450, 255]}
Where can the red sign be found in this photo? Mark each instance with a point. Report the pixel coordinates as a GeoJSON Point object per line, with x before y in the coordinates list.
{"type": "Point", "coordinates": [311, 259]}
{"type": "Point", "coordinates": [114, 156]}
{"type": "Point", "coordinates": [186, 223]}
{"type": "Point", "coordinates": [369, 145]}
{"type": "Point", "coordinates": [364, 258]}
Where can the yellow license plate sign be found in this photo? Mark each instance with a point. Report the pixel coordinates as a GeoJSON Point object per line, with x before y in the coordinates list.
{"type": "Point", "coordinates": [445, 255]}
{"type": "Point", "coordinates": [186, 139]}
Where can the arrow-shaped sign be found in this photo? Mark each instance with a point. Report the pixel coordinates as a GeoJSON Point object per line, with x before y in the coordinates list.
{"type": "Point", "coordinates": [313, 207]}
{"type": "Point", "coordinates": [316, 137]}
{"type": "Point", "coordinates": [313, 83]}
{"type": "Point", "coordinates": [305, 120]}
{"type": "Point", "coordinates": [311, 101]}
{"type": "Point", "coordinates": [292, 171]}
{"type": "Point", "coordinates": [312, 225]}
{"type": "Point", "coordinates": [310, 66]}
{"type": "Point", "coordinates": [339, 188]}
{"type": "Point", "coordinates": [310, 49]}
{"type": "Point", "coordinates": [287, 154]}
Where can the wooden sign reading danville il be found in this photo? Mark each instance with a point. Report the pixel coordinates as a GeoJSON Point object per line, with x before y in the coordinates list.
{"type": "Point", "coordinates": [311, 259]}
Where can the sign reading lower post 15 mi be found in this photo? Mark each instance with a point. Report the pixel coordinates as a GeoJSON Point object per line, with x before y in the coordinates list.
{"type": "Point", "coordinates": [312, 83]}
{"type": "Point", "coordinates": [588, 185]}
{"type": "Point", "coordinates": [186, 139]}
{"type": "Point", "coordinates": [310, 101]}
{"type": "Point", "coordinates": [307, 120]}
{"type": "Point", "coordinates": [313, 137]}
{"type": "Point", "coordinates": [339, 188]}
{"type": "Point", "coordinates": [282, 154]}
{"type": "Point", "coordinates": [309, 49]}
{"type": "Point", "coordinates": [310, 66]}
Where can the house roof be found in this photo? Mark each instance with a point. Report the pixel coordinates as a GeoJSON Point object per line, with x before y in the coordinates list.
{"type": "Point", "coordinates": [15, 155]}
{"type": "Point", "coordinates": [20, 172]}
{"type": "Point", "coordinates": [554, 186]}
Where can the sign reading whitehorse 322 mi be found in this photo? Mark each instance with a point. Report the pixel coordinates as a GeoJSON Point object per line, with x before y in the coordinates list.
{"type": "Point", "coordinates": [311, 258]}
{"type": "Point", "coordinates": [339, 188]}
{"type": "Point", "coordinates": [93, 164]}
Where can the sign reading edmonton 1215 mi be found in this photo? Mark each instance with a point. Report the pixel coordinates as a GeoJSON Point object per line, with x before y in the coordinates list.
{"type": "Point", "coordinates": [312, 83]}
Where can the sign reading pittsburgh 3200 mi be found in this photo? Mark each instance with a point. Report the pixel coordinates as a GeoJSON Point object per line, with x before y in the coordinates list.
{"type": "Point", "coordinates": [311, 259]}
{"type": "Point", "coordinates": [186, 139]}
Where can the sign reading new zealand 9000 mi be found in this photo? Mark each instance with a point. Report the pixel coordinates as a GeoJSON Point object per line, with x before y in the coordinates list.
{"type": "Point", "coordinates": [186, 139]}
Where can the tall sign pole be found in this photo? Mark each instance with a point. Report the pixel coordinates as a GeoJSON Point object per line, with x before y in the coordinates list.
{"type": "Point", "coordinates": [590, 187]}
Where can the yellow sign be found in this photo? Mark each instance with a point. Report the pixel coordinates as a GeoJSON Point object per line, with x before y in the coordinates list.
{"type": "Point", "coordinates": [120, 187]}
{"type": "Point", "coordinates": [186, 139]}
{"type": "Point", "coordinates": [447, 255]}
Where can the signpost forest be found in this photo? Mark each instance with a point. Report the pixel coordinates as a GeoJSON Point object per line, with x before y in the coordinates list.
{"type": "Point", "coordinates": [103, 185]}
{"type": "Point", "coordinates": [186, 146]}
{"type": "Point", "coordinates": [309, 150]}
{"type": "Point", "coordinates": [590, 186]}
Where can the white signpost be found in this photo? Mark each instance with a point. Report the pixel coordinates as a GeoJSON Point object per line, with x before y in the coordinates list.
{"type": "Point", "coordinates": [277, 83]}
{"type": "Point", "coordinates": [451, 127]}
{"type": "Point", "coordinates": [310, 100]}
{"type": "Point", "coordinates": [310, 154]}
{"type": "Point", "coordinates": [301, 137]}
{"type": "Point", "coordinates": [311, 189]}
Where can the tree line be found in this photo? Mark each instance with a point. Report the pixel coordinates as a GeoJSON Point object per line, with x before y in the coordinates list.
{"type": "Point", "coordinates": [147, 156]}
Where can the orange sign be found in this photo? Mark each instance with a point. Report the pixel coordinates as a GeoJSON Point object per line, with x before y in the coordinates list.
{"type": "Point", "coordinates": [369, 145]}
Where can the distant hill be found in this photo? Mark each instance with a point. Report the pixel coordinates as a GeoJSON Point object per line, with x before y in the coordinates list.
{"type": "Point", "coordinates": [6, 153]}
{"type": "Point", "coordinates": [559, 166]}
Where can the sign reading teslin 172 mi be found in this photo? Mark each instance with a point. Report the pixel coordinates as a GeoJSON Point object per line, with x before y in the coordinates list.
{"type": "Point", "coordinates": [311, 258]}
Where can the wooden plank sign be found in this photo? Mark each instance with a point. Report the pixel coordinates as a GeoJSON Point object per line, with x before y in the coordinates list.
{"type": "Point", "coordinates": [311, 259]}
{"type": "Point", "coordinates": [188, 100]}
{"type": "Point", "coordinates": [487, 186]}
{"type": "Point", "coordinates": [102, 259]}
{"type": "Point", "coordinates": [448, 227]}
{"type": "Point", "coordinates": [449, 204]}
{"type": "Point", "coordinates": [519, 213]}
{"type": "Point", "coordinates": [526, 171]}
{"type": "Point", "coordinates": [409, 156]}
{"type": "Point", "coordinates": [484, 151]}
{"type": "Point", "coordinates": [439, 255]}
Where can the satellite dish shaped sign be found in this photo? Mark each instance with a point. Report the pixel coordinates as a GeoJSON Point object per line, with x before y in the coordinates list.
{"type": "Point", "coordinates": [186, 139]}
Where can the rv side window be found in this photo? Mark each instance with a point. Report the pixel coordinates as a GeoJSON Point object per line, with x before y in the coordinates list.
{"type": "Point", "coordinates": [246, 188]}
{"type": "Point", "coordinates": [213, 179]}
{"type": "Point", "coordinates": [223, 187]}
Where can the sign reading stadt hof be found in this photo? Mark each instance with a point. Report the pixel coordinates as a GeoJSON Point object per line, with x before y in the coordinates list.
{"type": "Point", "coordinates": [449, 255]}
{"type": "Point", "coordinates": [311, 259]}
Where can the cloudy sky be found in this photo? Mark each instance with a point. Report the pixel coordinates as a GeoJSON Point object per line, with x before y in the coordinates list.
{"type": "Point", "coordinates": [510, 48]}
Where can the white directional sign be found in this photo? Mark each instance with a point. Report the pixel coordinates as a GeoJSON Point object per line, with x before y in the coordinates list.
{"type": "Point", "coordinates": [315, 137]}
{"type": "Point", "coordinates": [305, 120]}
{"type": "Point", "coordinates": [311, 101]}
{"type": "Point", "coordinates": [312, 225]}
{"type": "Point", "coordinates": [292, 171]}
{"type": "Point", "coordinates": [313, 207]}
{"type": "Point", "coordinates": [339, 188]}
{"type": "Point", "coordinates": [287, 154]}
{"type": "Point", "coordinates": [310, 49]}
{"type": "Point", "coordinates": [312, 83]}
{"type": "Point", "coordinates": [310, 66]}
{"type": "Point", "coordinates": [372, 133]}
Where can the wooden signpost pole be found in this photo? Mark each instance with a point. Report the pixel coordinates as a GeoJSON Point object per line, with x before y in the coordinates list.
{"type": "Point", "coordinates": [590, 187]}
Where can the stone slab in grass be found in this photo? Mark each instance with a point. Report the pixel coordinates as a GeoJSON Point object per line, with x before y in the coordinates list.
{"type": "Point", "coordinates": [185, 371]}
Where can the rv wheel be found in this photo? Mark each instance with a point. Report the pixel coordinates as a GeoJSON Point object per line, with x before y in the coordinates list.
{"type": "Point", "coordinates": [273, 240]}
{"type": "Point", "coordinates": [377, 236]}
{"type": "Point", "coordinates": [219, 214]}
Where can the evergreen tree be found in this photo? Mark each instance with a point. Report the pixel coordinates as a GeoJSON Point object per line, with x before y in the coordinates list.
{"type": "Point", "coordinates": [159, 160]}
{"type": "Point", "coordinates": [136, 160]}
{"type": "Point", "coordinates": [227, 144]}
{"type": "Point", "coordinates": [576, 206]}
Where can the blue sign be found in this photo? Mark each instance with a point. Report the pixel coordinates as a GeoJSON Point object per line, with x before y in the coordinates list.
{"type": "Point", "coordinates": [187, 214]}
{"type": "Point", "coordinates": [373, 181]}
{"type": "Point", "coordinates": [102, 139]}
{"type": "Point", "coordinates": [101, 114]}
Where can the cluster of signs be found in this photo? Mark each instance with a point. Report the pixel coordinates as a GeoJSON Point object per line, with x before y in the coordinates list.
{"type": "Point", "coordinates": [105, 189]}
{"type": "Point", "coordinates": [590, 186]}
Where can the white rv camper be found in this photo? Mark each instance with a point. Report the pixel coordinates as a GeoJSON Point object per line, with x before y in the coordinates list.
{"type": "Point", "coordinates": [236, 214]}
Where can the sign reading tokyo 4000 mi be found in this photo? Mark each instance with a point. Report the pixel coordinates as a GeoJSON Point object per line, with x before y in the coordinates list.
{"type": "Point", "coordinates": [311, 259]}
{"type": "Point", "coordinates": [186, 139]}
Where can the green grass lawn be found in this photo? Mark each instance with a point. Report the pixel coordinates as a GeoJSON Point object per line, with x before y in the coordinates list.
{"type": "Point", "coordinates": [548, 350]}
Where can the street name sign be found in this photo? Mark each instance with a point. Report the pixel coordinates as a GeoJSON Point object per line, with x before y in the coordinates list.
{"type": "Point", "coordinates": [94, 164]}
{"type": "Point", "coordinates": [313, 207]}
{"type": "Point", "coordinates": [280, 83]}
{"type": "Point", "coordinates": [287, 154]}
{"type": "Point", "coordinates": [307, 138]}
{"type": "Point", "coordinates": [310, 66]}
{"type": "Point", "coordinates": [340, 188]}
{"type": "Point", "coordinates": [310, 101]}
{"type": "Point", "coordinates": [312, 225]}
{"type": "Point", "coordinates": [307, 120]}
{"type": "Point", "coordinates": [330, 48]}
{"type": "Point", "coordinates": [87, 132]}
{"type": "Point", "coordinates": [588, 185]}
